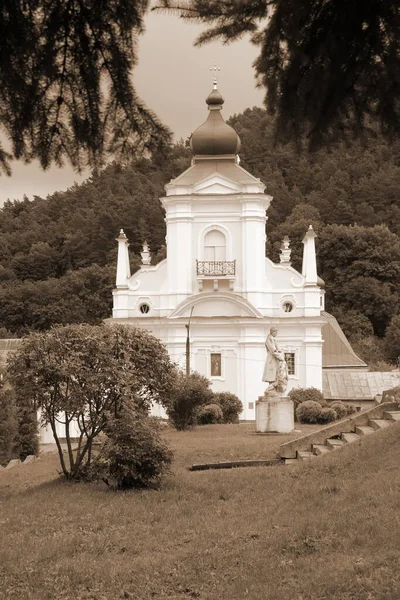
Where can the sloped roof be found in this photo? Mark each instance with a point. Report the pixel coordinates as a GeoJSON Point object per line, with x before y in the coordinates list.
{"type": "Point", "coordinates": [353, 385]}
{"type": "Point", "coordinates": [204, 168]}
{"type": "Point", "coordinates": [336, 350]}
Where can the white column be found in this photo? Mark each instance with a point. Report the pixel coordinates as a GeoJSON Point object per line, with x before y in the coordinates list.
{"type": "Point", "coordinates": [123, 265]}
{"type": "Point", "coordinates": [313, 357]}
{"type": "Point", "coordinates": [179, 247]}
{"type": "Point", "coordinates": [253, 247]}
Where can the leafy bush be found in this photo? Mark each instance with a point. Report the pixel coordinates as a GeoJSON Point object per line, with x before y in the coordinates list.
{"type": "Point", "coordinates": [340, 409]}
{"type": "Point", "coordinates": [350, 409]}
{"type": "Point", "coordinates": [308, 411]}
{"type": "Point", "coordinates": [231, 406]}
{"type": "Point", "coordinates": [133, 454]}
{"type": "Point", "coordinates": [80, 374]}
{"type": "Point", "coordinates": [300, 395]}
{"type": "Point", "coordinates": [190, 393]}
{"type": "Point", "coordinates": [327, 415]}
{"type": "Point", "coordinates": [210, 414]}
{"type": "Point", "coordinates": [8, 426]}
{"type": "Point", "coordinates": [392, 395]}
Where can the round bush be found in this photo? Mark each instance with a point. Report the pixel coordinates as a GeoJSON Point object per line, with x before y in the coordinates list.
{"type": "Point", "coordinates": [231, 406]}
{"type": "Point", "coordinates": [210, 414]}
{"type": "Point", "coordinates": [308, 412]}
{"type": "Point", "coordinates": [350, 409]}
{"type": "Point", "coordinates": [300, 395]}
{"type": "Point", "coordinates": [327, 415]}
{"type": "Point", "coordinates": [340, 409]}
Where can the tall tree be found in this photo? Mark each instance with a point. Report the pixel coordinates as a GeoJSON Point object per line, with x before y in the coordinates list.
{"type": "Point", "coordinates": [326, 64]}
{"type": "Point", "coordinates": [65, 82]}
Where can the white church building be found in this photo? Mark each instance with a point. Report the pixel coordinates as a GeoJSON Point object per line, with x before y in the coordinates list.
{"type": "Point", "coordinates": [217, 275]}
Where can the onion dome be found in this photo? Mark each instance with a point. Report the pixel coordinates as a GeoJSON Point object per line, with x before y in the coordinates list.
{"type": "Point", "coordinates": [215, 137]}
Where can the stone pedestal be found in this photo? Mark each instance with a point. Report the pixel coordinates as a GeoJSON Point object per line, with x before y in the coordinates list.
{"type": "Point", "coordinates": [274, 415]}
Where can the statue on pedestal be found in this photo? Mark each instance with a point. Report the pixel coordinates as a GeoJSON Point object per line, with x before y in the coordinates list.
{"type": "Point", "coordinates": [275, 370]}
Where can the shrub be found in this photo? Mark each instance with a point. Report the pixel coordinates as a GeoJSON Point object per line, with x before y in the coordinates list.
{"type": "Point", "coordinates": [231, 406]}
{"type": "Point", "coordinates": [392, 395]}
{"type": "Point", "coordinates": [300, 395]}
{"type": "Point", "coordinates": [8, 426]}
{"type": "Point", "coordinates": [340, 408]}
{"type": "Point", "coordinates": [191, 392]}
{"type": "Point", "coordinates": [350, 409]}
{"type": "Point", "coordinates": [327, 415]}
{"type": "Point", "coordinates": [308, 411]}
{"type": "Point", "coordinates": [210, 414]}
{"type": "Point", "coordinates": [80, 373]}
{"type": "Point", "coordinates": [133, 454]}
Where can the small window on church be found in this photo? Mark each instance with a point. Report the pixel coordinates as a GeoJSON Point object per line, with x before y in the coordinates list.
{"type": "Point", "coordinates": [290, 361]}
{"type": "Point", "coordinates": [144, 308]}
{"type": "Point", "coordinates": [287, 307]}
{"type": "Point", "coordinates": [216, 365]}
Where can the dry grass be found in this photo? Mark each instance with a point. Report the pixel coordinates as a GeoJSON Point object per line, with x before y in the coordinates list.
{"type": "Point", "coordinates": [325, 530]}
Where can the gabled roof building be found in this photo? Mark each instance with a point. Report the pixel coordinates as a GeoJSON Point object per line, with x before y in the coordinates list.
{"type": "Point", "coordinates": [217, 275]}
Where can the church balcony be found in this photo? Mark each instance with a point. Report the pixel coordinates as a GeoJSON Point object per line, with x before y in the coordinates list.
{"type": "Point", "coordinates": [216, 270]}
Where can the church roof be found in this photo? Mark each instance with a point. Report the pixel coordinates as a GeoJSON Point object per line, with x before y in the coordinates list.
{"type": "Point", "coordinates": [337, 351]}
{"type": "Point", "coordinates": [224, 167]}
{"type": "Point", "coordinates": [215, 137]}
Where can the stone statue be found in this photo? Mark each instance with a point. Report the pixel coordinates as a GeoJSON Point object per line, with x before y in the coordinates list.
{"type": "Point", "coordinates": [275, 370]}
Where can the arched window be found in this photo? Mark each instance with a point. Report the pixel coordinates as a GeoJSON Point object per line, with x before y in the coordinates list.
{"type": "Point", "coordinates": [214, 246]}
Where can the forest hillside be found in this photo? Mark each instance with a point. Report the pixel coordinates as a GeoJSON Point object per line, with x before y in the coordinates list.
{"type": "Point", "coordinates": [58, 254]}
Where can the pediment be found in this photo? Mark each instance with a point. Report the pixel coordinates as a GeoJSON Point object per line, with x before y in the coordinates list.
{"type": "Point", "coordinates": [215, 305]}
{"type": "Point", "coordinates": [216, 184]}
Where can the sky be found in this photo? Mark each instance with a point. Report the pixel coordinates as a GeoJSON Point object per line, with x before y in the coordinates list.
{"type": "Point", "coordinates": [173, 78]}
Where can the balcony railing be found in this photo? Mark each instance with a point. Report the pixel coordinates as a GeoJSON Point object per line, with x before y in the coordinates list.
{"type": "Point", "coordinates": [216, 268]}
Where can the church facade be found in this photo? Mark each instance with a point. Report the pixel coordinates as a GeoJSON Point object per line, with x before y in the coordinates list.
{"type": "Point", "coordinates": [217, 279]}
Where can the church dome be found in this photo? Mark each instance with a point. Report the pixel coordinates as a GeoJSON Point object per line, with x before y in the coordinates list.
{"type": "Point", "coordinates": [215, 137]}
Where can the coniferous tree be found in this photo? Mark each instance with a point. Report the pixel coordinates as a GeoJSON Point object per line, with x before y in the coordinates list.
{"type": "Point", "coordinates": [65, 81]}
{"type": "Point", "coordinates": [326, 65]}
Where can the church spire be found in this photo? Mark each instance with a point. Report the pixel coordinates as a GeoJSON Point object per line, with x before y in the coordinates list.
{"type": "Point", "coordinates": [309, 270]}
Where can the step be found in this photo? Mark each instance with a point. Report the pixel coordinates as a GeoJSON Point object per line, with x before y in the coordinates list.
{"type": "Point", "coordinates": [364, 430]}
{"type": "Point", "coordinates": [291, 461]}
{"type": "Point", "coordinates": [304, 455]}
{"type": "Point", "coordinates": [334, 443]}
{"type": "Point", "coordinates": [319, 449]}
{"type": "Point", "coordinates": [379, 423]}
{"type": "Point", "coordinates": [392, 415]}
{"type": "Point", "coordinates": [349, 438]}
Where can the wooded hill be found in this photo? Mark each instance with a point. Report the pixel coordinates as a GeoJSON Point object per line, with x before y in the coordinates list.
{"type": "Point", "coordinates": [58, 255]}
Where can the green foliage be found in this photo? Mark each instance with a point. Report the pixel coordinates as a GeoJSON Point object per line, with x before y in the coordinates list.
{"type": "Point", "coordinates": [308, 411]}
{"type": "Point", "coordinates": [392, 340]}
{"type": "Point", "coordinates": [190, 393]}
{"type": "Point", "coordinates": [210, 414]}
{"type": "Point", "coordinates": [340, 409]}
{"type": "Point", "coordinates": [82, 296]}
{"type": "Point", "coordinates": [230, 404]}
{"type": "Point", "coordinates": [326, 67]}
{"type": "Point", "coordinates": [361, 267]}
{"type": "Point", "coordinates": [81, 373]}
{"type": "Point", "coordinates": [67, 90]}
{"type": "Point", "coordinates": [327, 415]}
{"type": "Point", "coordinates": [8, 426]}
{"type": "Point", "coordinates": [300, 395]}
{"type": "Point", "coordinates": [392, 395]}
{"type": "Point", "coordinates": [133, 454]}
{"type": "Point", "coordinates": [27, 440]}
{"type": "Point", "coordinates": [351, 409]}
{"type": "Point", "coordinates": [355, 325]}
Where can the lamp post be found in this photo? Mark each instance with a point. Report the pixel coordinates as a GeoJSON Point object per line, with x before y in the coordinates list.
{"type": "Point", "coordinates": [188, 344]}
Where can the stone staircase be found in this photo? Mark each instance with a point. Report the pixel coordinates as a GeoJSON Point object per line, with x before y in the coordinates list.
{"type": "Point", "coordinates": [340, 434]}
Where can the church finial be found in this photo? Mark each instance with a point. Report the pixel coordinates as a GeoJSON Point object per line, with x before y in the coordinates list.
{"type": "Point", "coordinates": [214, 68]}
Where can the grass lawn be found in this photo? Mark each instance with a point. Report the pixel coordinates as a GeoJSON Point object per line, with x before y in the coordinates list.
{"type": "Point", "coordinates": [328, 530]}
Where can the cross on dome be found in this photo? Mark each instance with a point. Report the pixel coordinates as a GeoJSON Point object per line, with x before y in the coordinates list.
{"type": "Point", "coordinates": [214, 68]}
